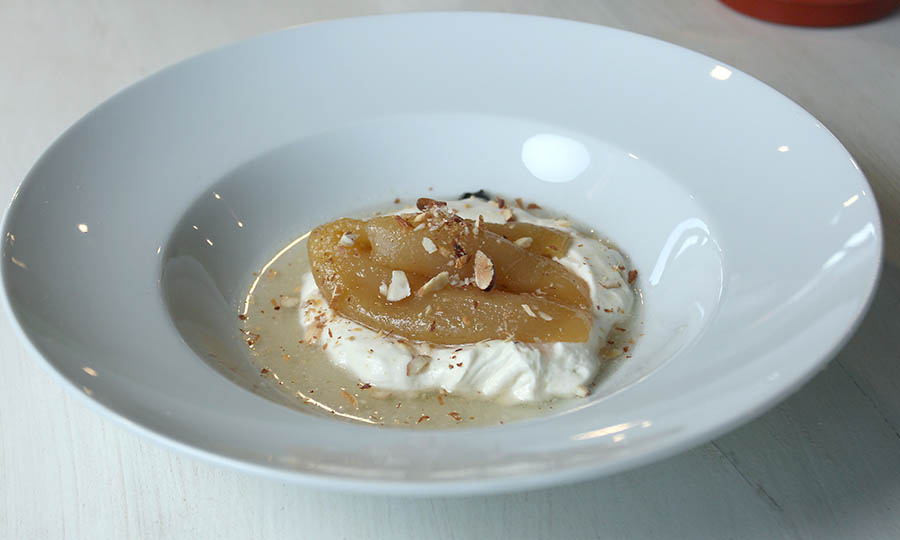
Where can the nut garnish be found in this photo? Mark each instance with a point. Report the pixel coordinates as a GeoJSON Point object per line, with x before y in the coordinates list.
{"type": "Point", "coordinates": [484, 271]}
{"type": "Point", "coordinates": [544, 316]}
{"type": "Point", "coordinates": [383, 289]}
{"type": "Point", "coordinates": [434, 284]}
{"type": "Point", "coordinates": [347, 239]}
{"type": "Point", "coordinates": [424, 203]}
{"type": "Point", "coordinates": [528, 310]}
{"type": "Point", "coordinates": [399, 287]}
{"type": "Point", "coordinates": [524, 242]}
{"type": "Point", "coordinates": [405, 224]}
{"type": "Point", "coordinates": [417, 364]}
{"type": "Point", "coordinates": [507, 214]}
{"type": "Point", "coordinates": [582, 391]}
{"type": "Point", "coordinates": [632, 276]}
{"type": "Point", "coordinates": [428, 244]}
{"type": "Point", "coordinates": [349, 397]}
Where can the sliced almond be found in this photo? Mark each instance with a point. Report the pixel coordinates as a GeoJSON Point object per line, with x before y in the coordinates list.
{"type": "Point", "coordinates": [434, 284]}
{"type": "Point", "coordinates": [417, 364]}
{"type": "Point", "coordinates": [507, 214]}
{"type": "Point", "coordinates": [524, 242]}
{"type": "Point", "coordinates": [461, 261]}
{"type": "Point", "coordinates": [428, 244]}
{"type": "Point", "coordinates": [582, 391]}
{"type": "Point", "coordinates": [347, 239]}
{"type": "Point", "coordinates": [544, 316]}
{"type": "Point", "coordinates": [528, 310]}
{"type": "Point", "coordinates": [484, 271]}
{"type": "Point", "coordinates": [399, 287]}
{"type": "Point", "coordinates": [425, 203]}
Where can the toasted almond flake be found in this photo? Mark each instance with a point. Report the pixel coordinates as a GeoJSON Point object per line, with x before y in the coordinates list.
{"type": "Point", "coordinates": [582, 391]}
{"type": "Point", "coordinates": [533, 206]}
{"type": "Point", "coordinates": [528, 310]}
{"type": "Point", "coordinates": [524, 242]}
{"type": "Point", "coordinates": [484, 271]}
{"type": "Point", "coordinates": [347, 239]}
{"type": "Point", "coordinates": [455, 415]}
{"type": "Point", "coordinates": [461, 261]}
{"type": "Point", "coordinates": [428, 244]}
{"type": "Point", "coordinates": [424, 203]}
{"type": "Point", "coordinates": [434, 284]}
{"type": "Point", "coordinates": [349, 397]}
{"type": "Point", "coordinates": [420, 217]}
{"type": "Point", "coordinates": [419, 227]}
{"type": "Point", "coordinates": [632, 276]}
{"type": "Point", "coordinates": [423, 418]}
{"type": "Point", "coordinates": [418, 364]}
{"type": "Point", "coordinates": [544, 316]}
{"type": "Point", "coordinates": [519, 203]}
{"type": "Point", "coordinates": [403, 223]}
{"type": "Point", "coordinates": [501, 203]}
{"type": "Point", "coordinates": [507, 214]}
{"type": "Point", "coordinates": [399, 287]}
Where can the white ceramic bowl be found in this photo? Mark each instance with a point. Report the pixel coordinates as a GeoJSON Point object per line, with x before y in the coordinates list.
{"type": "Point", "coordinates": [757, 237]}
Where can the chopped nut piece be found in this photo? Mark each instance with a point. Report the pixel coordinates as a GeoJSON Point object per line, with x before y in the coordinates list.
{"type": "Point", "coordinates": [349, 397]}
{"type": "Point", "coordinates": [544, 316]}
{"type": "Point", "coordinates": [434, 284]}
{"type": "Point", "coordinates": [403, 222]}
{"type": "Point", "coordinates": [484, 271]}
{"type": "Point", "coordinates": [533, 206]}
{"type": "Point", "coordinates": [428, 244]}
{"type": "Point", "coordinates": [455, 415]}
{"type": "Point", "coordinates": [461, 261]}
{"type": "Point", "coordinates": [418, 364]}
{"type": "Point", "coordinates": [582, 391]}
{"type": "Point", "coordinates": [528, 310]}
{"type": "Point", "coordinates": [519, 203]}
{"type": "Point", "coordinates": [424, 203]}
{"type": "Point", "coordinates": [347, 239]}
{"type": "Point", "coordinates": [423, 418]}
{"type": "Point", "coordinates": [524, 242]}
{"type": "Point", "coordinates": [507, 214]}
{"type": "Point", "coordinates": [383, 289]}
{"type": "Point", "coordinates": [399, 287]}
{"type": "Point", "coordinates": [632, 276]}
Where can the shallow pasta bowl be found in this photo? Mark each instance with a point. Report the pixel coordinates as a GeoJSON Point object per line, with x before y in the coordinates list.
{"type": "Point", "coordinates": [131, 240]}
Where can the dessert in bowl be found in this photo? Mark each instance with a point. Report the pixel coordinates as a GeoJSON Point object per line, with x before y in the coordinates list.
{"type": "Point", "coordinates": [130, 248]}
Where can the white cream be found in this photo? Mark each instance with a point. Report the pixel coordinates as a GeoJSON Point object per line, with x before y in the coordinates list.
{"type": "Point", "coordinates": [507, 371]}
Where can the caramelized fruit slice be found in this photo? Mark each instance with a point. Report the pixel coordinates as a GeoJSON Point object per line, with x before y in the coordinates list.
{"type": "Point", "coordinates": [396, 243]}
{"type": "Point", "coordinates": [349, 278]}
{"type": "Point", "coordinates": [544, 240]}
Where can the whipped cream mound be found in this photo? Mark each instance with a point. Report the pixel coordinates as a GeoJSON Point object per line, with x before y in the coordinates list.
{"type": "Point", "coordinates": [506, 371]}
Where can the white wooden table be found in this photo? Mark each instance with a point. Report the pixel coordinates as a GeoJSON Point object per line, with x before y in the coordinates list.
{"type": "Point", "coordinates": [823, 464]}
